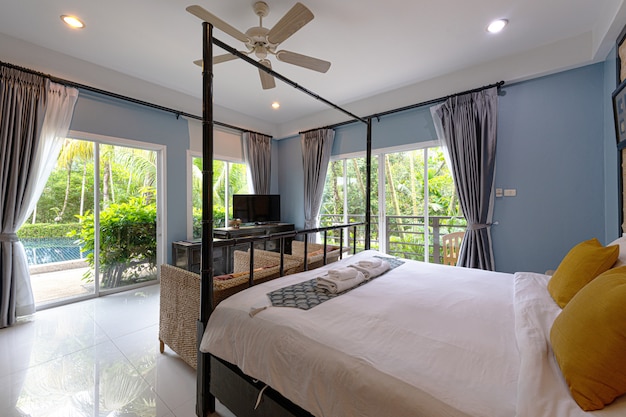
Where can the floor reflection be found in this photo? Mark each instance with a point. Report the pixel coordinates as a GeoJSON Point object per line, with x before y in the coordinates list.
{"type": "Point", "coordinates": [96, 358]}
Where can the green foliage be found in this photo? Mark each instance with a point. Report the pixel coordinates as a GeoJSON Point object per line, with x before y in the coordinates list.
{"type": "Point", "coordinates": [223, 172]}
{"type": "Point", "coordinates": [218, 220]}
{"type": "Point", "coordinates": [44, 230]}
{"type": "Point", "coordinates": [404, 184]}
{"type": "Point", "coordinates": [127, 241]}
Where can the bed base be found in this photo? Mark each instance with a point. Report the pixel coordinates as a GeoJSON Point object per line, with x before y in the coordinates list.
{"type": "Point", "coordinates": [239, 393]}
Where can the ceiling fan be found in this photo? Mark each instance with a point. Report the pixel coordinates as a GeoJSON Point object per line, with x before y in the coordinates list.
{"type": "Point", "coordinates": [262, 41]}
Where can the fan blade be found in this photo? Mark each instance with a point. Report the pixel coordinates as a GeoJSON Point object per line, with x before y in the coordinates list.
{"type": "Point", "coordinates": [216, 59]}
{"type": "Point", "coordinates": [217, 22]}
{"type": "Point", "coordinates": [267, 81]}
{"type": "Point", "coordinates": [303, 61]}
{"type": "Point", "coordinates": [290, 23]}
{"type": "Point", "coordinates": [223, 58]}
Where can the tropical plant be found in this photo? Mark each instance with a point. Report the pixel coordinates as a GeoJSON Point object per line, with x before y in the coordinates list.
{"type": "Point", "coordinates": [127, 242]}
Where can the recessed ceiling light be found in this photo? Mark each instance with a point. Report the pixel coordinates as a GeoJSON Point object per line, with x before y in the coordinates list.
{"type": "Point", "coordinates": [497, 25]}
{"type": "Point", "coordinates": [275, 105]}
{"type": "Point", "coordinates": [72, 21]}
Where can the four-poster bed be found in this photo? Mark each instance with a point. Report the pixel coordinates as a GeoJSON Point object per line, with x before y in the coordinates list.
{"type": "Point", "coordinates": [420, 339]}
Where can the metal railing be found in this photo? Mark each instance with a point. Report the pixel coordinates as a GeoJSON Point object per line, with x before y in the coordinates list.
{"type": "Point", "coordinates": [410, 237]}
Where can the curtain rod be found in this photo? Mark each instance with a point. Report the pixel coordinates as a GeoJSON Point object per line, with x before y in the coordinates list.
{"type": "Point", "coordinates": [409, 107]}
{"type": "Point", "coordinates": [69, 83]}
{"type": "Point", "coordinates": [281, 77]}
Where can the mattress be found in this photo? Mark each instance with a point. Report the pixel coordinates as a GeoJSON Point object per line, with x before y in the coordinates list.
{"type": "Point", "coordinates": [420, 340]}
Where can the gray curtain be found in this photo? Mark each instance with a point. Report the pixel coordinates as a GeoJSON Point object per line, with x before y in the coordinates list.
{"type": "Point", "coordinates": [316, 148]}
{"type": "Point", "coordinates": [466, 126]}
{"type": "Point", "coordinates": [35, 115]}
{"type": "Point", "coordinates": [257, 152]}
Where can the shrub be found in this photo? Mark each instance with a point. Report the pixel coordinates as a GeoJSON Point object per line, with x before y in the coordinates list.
{"type": "Point", "coordinates": [46, 230]}
{"type": "Point", "coordinates": [127, 241]}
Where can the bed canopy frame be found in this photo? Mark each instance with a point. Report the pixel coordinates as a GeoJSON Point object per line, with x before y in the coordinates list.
{"type": "Point", "coordinates": [205, 404]}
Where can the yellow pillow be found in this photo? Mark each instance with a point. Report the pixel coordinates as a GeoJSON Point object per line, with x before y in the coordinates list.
{"type": "Point", "coordinates": [582, 263]}
{"type": "Point", "coordinates": [589, 341]}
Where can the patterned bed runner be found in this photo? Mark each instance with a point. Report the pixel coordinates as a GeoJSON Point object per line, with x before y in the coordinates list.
{"type": "Point", "coordinates": [306, 295]}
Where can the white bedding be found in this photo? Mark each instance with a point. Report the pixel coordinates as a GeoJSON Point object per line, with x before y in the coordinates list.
{"type": "Point", "coordinates": [421, 340]}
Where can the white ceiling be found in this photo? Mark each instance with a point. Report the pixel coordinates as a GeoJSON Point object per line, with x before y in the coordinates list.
{"type": "Point", "coordinates": [384, 54]}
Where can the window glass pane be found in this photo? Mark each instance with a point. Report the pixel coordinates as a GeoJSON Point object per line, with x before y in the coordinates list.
{"type": "Point", "coordinates": [332, 210]}
{"type": "Point", "coordinates": [406, 210]}
{"type": "Point", "coordinates": [229, 176]}
{"type": "Point", "coordinates": [238, 183]}
{"type": "Point", "coordinates": [128, 236]}
{"type": "Point", "coordinates": [404, 195]}
{"type": "Point", "coordinates": [356, 191]}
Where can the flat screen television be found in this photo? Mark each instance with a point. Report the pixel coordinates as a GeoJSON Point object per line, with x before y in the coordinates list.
{"type": "Point", "coordinates": [256, 208]}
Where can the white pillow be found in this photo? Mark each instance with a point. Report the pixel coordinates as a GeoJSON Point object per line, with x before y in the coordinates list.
{"type": "Point", "coordinates": [621, 259]}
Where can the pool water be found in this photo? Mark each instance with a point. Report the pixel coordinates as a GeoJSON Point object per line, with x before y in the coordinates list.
{"type": "Point", "coordinates": [48, 250]}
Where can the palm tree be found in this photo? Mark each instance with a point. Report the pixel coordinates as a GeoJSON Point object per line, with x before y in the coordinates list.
{"type": "Point", "coordinates": [71, 151]}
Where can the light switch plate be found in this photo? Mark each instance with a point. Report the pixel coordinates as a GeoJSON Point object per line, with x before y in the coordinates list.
{"type": "Point", "coordinates": [498, 192]}
{"type": "Point", "coordinates": [510, 192]}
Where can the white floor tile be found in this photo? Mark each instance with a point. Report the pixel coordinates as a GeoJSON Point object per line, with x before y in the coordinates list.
{"type": "Point", "coordinates": [50, 334]}
{"type": "Point", "coordinates": [92, 358]}
{"type": "Point", "coordinates": [189, 410]}
{"type": "Point", "coordinates": [123, 313]}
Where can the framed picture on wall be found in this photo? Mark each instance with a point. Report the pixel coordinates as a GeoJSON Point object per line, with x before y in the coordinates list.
{"type": "Point", "coordinates": [619, 112]}
{"type": "Point", "coordinates": [621, 57]}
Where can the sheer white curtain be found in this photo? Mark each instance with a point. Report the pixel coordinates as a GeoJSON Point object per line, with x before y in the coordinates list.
{"type": "Point", "coordinates": [32, 144]}
{"type": "Point", "coordinates": [316, 148]}
{"type": "Point", "coordinates": [257, 152]}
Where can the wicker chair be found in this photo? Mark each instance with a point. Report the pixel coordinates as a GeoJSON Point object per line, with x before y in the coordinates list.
{"type": "Point", "coordinates": [180, 298]}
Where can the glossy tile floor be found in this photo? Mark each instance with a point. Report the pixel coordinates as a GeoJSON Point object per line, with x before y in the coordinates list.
{"type": "Point", "coordinates": [95, 358]}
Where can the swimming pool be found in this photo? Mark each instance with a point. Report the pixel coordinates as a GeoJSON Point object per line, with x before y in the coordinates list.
{"type": "Point", "coordinates": [47, 250]}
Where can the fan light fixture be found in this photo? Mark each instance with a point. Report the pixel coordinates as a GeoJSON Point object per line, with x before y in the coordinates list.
{"type": "Point", "coordinates": [263, 42]}
{"type": "Point", "coordinates": [497, 25]}
{"type": "Point", "coordinates": [72, 21]}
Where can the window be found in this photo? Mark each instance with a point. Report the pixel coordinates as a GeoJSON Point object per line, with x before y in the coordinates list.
{"type": "Point", "coordinates": [228, 178]}
{"type": "Point", "coordinates": [417, 193]}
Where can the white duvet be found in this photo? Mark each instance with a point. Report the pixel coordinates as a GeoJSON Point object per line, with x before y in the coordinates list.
{"type": "Point", "coordinates": [421, 340]}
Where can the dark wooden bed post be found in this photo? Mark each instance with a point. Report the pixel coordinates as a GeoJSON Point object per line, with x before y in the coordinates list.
{"type": "Point", "coordinates": [368, 185]}
{"type": "Point", "coordinates": [205, 401]}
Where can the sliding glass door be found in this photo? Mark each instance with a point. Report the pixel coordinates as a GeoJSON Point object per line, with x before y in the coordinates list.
{"type": "Point", "coordinates": [95, 228]}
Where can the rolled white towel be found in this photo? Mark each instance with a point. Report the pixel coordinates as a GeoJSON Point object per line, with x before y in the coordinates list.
{"type": "Point", "coordinates": [336, 286]}
{"type": "Point", "coordinates": [370, 273]}
{"type": "Point", "coordinates": [370, 263]}
{"type": "Point", "coordinates": [342, 273]}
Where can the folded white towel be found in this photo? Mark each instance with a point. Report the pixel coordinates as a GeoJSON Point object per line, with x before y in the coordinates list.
{"type": "Point", "coordinates": [370, 273]}
{"type": "Point", "coordinates": [336, 286]}
{"type": "Point", "coordinates": [370, 263]}
{"type": "Point", "coordinates": [342, 273]}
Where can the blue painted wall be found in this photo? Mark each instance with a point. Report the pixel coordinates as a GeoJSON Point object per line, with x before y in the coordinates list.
{"type": "Point", "coordinates": [550, 149]}
{"type": "Point", "coordinates": [611, 163]}
{"type": "Point", "coordinates": [551, 134]}
{"type": "Point", "coordinates": [555, 147]}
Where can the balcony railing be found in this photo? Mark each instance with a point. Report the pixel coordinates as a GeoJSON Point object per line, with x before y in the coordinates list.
{"type": "Point", "coordinates": [409, 237]}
